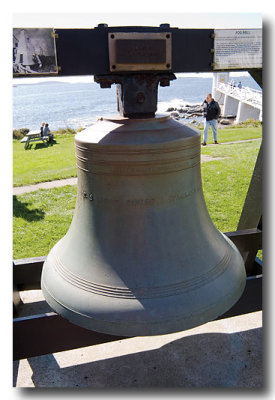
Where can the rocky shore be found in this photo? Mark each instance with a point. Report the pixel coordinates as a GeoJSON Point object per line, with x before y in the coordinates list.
{"type": "Point", "coordinates": [193, 114]}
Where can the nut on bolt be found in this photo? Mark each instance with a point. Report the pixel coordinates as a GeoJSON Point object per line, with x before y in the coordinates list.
{"type": "Point", "coordinates": [140, 97]}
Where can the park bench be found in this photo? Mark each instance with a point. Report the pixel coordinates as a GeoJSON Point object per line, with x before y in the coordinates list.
{"type": "Point", "coordinates": [34, 136]}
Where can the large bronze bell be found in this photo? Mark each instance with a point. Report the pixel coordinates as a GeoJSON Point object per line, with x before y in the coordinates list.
{"type": "Point", "coordinates": [142, 256]}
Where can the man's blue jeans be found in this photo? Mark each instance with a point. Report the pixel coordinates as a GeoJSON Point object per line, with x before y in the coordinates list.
{"type": "Point", "coordinates": [213, 124]}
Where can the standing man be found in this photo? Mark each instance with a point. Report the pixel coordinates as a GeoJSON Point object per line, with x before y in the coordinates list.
{"type": "Point", "coordinates": [211, 112]}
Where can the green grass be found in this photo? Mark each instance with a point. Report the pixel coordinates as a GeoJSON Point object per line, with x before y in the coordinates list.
{"type": "Point", "coordinates": [43, 217]}
{"type": "Point", "coordinates": [41, 163]}
{"type": "Point", "coordinates": [234, 134]}
{"type": "Point", "coordinates": [226, 181]}
{"type": "Point", "coordinates": [40, 219]}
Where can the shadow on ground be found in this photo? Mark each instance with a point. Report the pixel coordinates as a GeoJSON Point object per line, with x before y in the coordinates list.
{"type": "Point", "coordinates": [210, 360]}
{"type": "Point", "coordinates": [21, 209]}
{"type": "Point", "coordinates": [37, 146]}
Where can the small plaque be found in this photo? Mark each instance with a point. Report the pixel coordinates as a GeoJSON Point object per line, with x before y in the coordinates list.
{"type": "Point", "coordinates": [135, 51]}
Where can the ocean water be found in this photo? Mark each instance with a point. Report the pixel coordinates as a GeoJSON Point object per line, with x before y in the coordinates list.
{"type": "Point", "coordinates": [75, 103]}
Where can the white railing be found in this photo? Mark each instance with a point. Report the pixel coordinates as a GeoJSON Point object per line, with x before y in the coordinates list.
{"type": "Point", "coordinates": [245, 94]}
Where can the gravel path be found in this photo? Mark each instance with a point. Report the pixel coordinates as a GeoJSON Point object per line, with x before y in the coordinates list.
{"type": "Point", "coordinates": [44, 185]}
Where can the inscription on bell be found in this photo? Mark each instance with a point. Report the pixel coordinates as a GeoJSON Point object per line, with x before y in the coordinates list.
{"type": "Point", "coordinates": [141, 202]}
{"type": "Point", "coordinates": [88, 196]}
{"type": "Point", "coordinates": [144, 202]}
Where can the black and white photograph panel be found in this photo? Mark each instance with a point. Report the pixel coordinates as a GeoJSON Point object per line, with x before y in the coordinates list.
{"type": "Point", "coordinates": [34, 51]}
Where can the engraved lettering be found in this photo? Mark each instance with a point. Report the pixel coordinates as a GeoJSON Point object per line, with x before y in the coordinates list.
{"type": "Point", "coordinates": [141, 202]}
{"type": "Point", "coordinates": [89, 196]}
{"type": "Point", "coordinates": [181, 196]}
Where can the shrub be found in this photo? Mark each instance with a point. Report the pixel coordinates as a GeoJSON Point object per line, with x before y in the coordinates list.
{"type": "Point", "coordinates": [64, 131]}
{"type": "Point", "coordinates": [19, 133]}
{"type": "Point", "coordinates": [249, 123]}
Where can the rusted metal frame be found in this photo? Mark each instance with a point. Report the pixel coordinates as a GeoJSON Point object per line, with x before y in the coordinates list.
{"type": "Point", "coordinates": [137, 94]}
{"type": "Point", "coordinates": [50, 333]}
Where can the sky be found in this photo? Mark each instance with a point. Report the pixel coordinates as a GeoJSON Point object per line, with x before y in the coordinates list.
{"type": "Point", "coordinates": [180, 19]}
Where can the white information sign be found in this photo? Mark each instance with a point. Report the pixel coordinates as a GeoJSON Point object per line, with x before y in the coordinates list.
{"type": "Point", "coordinates": [238, 48]}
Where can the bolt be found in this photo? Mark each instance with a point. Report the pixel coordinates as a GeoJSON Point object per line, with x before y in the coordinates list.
{"type": "Point", "coordinates": [140, 97]}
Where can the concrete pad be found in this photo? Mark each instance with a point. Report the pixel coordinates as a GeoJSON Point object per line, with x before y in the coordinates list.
{"type": "Point", "coordinates": [220, 354]}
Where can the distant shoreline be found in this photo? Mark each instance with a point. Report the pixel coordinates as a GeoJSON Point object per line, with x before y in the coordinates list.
{"type": "Point", "coordinates": [90, 78]}
{"type": "Point", "coordinates": [74, 102]}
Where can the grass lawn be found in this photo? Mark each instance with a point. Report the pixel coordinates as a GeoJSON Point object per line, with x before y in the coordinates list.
{"type": "Point", "coordinates": [233, 134]}
{"type": "Point", "coordinates": [226, 181]}
{"type": "Point", "coordinates": [40, 163]}
{"type": "Point", "coordinates": [41, 218]}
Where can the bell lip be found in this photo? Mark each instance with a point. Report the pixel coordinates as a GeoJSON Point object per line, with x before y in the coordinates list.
{"type": "Point", "coordinates": [101, 315]}
{"type": "Point", "coordinates": [132, 328]}
{"type": "Point", "coordinates": [119, 328]}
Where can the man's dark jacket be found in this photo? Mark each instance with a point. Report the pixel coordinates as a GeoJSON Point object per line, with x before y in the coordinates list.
{"type": "Point", "coordinates": [211, 110]}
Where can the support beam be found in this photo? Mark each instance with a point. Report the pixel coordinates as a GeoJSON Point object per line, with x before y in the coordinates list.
{"type": "Point", "coordinates": [219, 77]}
{"type": "Point", "coordinates": [251, 216]}
{"type": "Point", "coordinates": [246, 111]}
{"type": "Point", "coordinates": [50, 333]}
{"type": "Point", "coordinates": [231, 105]}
